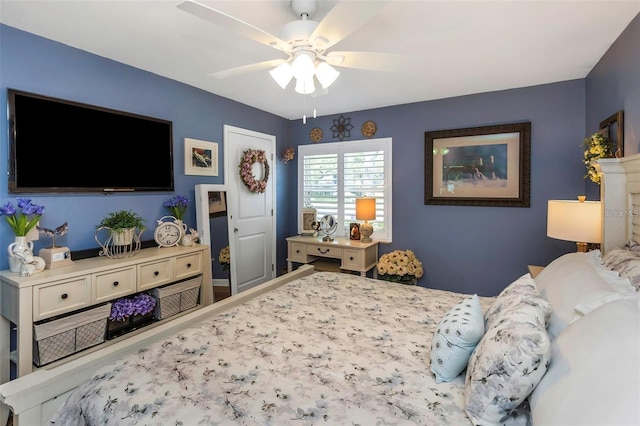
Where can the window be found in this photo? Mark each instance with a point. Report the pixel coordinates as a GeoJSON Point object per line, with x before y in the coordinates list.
{"type": "Point", "coordinates": [332, 175]}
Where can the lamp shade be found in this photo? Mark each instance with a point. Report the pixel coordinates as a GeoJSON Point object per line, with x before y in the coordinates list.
{"type": "Point", "coordinates": [305, 86]}
{"type": "Point", "coordinates": [579, 221]}
{"type": "Point", "coordinates": [366, 208]}
{"type": "Point", "coordinates": [326, 74]}
{"type": "Point", "coordinates": [282, 74]}
{"type": "Point", "coordinates": [303, 66]}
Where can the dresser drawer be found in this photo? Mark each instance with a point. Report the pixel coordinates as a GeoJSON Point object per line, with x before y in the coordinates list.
{"type": "Point", "coordinates": [59, 297]}
{"type": "Point", "coordinates": [352, 259]}
{"type": "Point", "coordinates": [324, 251]}
{"type": "Point", "coordinates": [298, 253]}
{"type": "Point", "coordinates": [188, 265]}
{"type": "Point", "coordinates": [113, 284]}
{"type": "Point", "coordinates": [153, 274]}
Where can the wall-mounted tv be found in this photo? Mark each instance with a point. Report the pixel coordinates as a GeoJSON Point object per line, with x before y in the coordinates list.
{"type": "Point", "coordinates": [58, 145]}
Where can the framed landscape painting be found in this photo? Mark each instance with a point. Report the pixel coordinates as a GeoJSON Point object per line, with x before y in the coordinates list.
{"type": "Point", "coordinates": [479, 166]}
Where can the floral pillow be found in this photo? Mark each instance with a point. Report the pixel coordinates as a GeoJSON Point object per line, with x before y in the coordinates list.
{"type": "Point", "coordinates": [507, 364]}
{"type": "Point", "coordinates": [457, 334]}
{"type": "Point", "coordinates": [626, 263]}
{"type": "Point", "coordinates": [522, 289]}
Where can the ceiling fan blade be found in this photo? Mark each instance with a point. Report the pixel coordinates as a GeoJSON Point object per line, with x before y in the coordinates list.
{"type": "Point", "coordinates": [373, 61]}
{"type": "Point", "coordinates": [232, 72]}
{"type": "Point", "coordinates": [342, 20]}
{"type": "Point", "coordinates": [234, 24]}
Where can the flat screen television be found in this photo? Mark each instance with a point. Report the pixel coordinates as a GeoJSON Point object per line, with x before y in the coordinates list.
{"type": "Point", "coordinates": [58, 145]}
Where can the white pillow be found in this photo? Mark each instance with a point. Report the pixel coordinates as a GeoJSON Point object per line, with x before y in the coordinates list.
{"type": "Point", "coordinates": [594, 376]}
{"type": "Point", "coordinates": [578, 280]}
{"type": "Point", "coordinates": [507, 364]}
{"type": "Point", "coordinates": [456, 336]}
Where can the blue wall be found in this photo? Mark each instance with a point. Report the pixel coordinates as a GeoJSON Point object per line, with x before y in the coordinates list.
{"type": "Point", "coordinates": [38, 65]}
{"type": "Point", "coordinates": [477, 249]}
{"type": "Point", "coordinates": [469, 249]}
{"type": "Point", "coordinates": [612, 85]}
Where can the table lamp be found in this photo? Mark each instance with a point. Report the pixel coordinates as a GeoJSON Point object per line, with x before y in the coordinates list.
{"type": "Point", "coordinates": [366, 210]}
{"type": "Point", "coordinates": [579, 221]}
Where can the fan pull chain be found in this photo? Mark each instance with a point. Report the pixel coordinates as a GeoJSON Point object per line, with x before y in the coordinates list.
{"type": "Point", "coordinates": [304, 109]}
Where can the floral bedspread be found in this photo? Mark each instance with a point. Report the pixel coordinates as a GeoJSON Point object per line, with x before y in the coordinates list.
{"type": "Point", "coordinates": [329, 348]}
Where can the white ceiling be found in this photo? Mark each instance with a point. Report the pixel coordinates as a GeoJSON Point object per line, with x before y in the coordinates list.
{"type": "Point", "coordinates": [463, 47]}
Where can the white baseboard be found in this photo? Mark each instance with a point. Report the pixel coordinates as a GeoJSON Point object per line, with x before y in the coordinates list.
{"type": "Point", "coordinates": [220, 282]}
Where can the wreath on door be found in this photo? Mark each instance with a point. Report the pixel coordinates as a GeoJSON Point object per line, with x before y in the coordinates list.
{"type": "Point", "coordinates": [249, 158]}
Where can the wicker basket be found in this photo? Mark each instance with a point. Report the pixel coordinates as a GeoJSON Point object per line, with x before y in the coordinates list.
{"type": "Point", "coordinates": [176, 298]}
{"type": "Point", "coordinates": [65, 336]}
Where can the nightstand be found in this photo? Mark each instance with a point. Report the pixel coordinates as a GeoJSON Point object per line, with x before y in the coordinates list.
{"type": "Point", "coordinates": [535, 270]}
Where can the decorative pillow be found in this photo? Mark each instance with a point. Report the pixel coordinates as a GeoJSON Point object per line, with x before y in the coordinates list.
{"type": "Point", "coordinates": [507, 364]}
{"type": "Point", "coordinates": [595, 362]}
{"type": "Point", "coordinates": [626, 263]}
{"type": "Point", "coordinates": [457, 334]}
{"type": "Point", "coordinates": [576, 284]}
{"type": "Point", "coordinates": [522, 289]}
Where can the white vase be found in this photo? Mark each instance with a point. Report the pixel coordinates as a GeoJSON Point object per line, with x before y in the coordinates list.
{"type": "Point", "coordinates": [183, 231]}
{"type": "Point", "coordinates": [17, 251]}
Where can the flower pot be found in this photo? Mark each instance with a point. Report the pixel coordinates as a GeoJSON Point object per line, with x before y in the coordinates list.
{"type": "Point", "coordinates": [118, 244]}
{"type": "Point", "coordinates": [123, 237]}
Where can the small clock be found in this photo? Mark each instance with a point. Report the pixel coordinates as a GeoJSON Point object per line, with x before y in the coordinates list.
{"type": "Point", "coordinates": [167, 233]}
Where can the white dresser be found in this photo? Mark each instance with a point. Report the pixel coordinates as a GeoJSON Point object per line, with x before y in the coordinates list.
{"type": "Point", "coordinates": [86, 283]}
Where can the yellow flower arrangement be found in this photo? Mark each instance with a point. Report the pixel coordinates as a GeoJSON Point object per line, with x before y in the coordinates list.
{"type": "Point", "coordinates": [596, 147]}
{"type": "Point", "coordinates": [401, 266]}
{"type": "Point", "coordinates": [224, 257]}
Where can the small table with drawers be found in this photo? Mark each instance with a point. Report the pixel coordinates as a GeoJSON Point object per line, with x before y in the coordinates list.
{"type": "Point", "coordinates": [354, 255]}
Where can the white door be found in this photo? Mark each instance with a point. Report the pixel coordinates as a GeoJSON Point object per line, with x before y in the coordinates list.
{"type": "Point", "coordinates": [251, 215]}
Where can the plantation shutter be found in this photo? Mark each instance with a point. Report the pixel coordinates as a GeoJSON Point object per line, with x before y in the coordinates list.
{"type": "Point", "coordinates": [332, 175]}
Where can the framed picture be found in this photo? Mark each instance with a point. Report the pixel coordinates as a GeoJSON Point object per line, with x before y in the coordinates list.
{"type": "Point", "coordinates": [478, 166]}
{"type": "Point", "coordinates": [200, 157]}
{"type": "Point", "coordinates": [354, 231]}
{"type": "Point", "coordinates": [613, 129]}
{"type": "Point", "coordinates": [308, 221]}
{"type": "Point", "coordinates": [217, 203]}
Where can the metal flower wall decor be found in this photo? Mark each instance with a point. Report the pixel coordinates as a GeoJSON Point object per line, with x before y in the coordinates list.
{"type": "Point", "coordinates": [341, 128]}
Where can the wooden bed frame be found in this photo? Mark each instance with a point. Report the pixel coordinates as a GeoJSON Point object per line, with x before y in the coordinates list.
{"type": "Point", "coordinates": [34, 398]}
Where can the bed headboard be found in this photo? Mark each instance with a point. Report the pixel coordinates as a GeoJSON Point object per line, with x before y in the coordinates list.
{"type": "Point", "coordinates": [620, 197]}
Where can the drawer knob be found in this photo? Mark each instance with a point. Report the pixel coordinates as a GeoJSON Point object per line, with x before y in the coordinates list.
{"type": "Point", "coordinates": [351, 258]}
{"type": "Point", "coordinates": [156, 273]}
{"type": "Point", "coordinates": [116, 283]}
{"type": "Point", "coordinates": [324, 252]}
{"type": "Point", "coordinates": [64, 296]}
{"type": "Point", "coordinates": [188, 265]}
{"type": "Point", "coordinates": [297, 251]}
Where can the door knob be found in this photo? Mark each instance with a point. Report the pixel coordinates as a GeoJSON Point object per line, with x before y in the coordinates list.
{"type": "Point", "coordinates": [235, 230]}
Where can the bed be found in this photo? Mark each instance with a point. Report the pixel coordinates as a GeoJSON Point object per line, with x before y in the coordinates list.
{"type": "Point", "coordinates": [328, 348]}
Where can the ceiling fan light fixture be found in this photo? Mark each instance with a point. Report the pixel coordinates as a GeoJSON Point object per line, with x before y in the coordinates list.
{"type": "Point", "coordinates": [326, 74]}
{"type": "Point", "coordinates": [305, 86]}
{"type": "Point", "coordinates": [303, 66]}
{"type": "Point", "coordinates": [282, 74]}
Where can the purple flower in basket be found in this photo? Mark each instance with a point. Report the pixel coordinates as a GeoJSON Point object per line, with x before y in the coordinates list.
{"type": "Point", "coordinates": [140, 304]}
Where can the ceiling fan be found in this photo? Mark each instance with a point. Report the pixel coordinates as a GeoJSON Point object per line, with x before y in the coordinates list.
{"type": "Point", "coordinates": [306, 43]}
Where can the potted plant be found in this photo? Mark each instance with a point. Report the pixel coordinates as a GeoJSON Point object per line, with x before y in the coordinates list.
{"type": "Point", "coordinates": [122, 224]}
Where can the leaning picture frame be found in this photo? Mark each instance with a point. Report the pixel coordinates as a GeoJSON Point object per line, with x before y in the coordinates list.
{"type": "Point", "coordinates": [217, 203]}
{"type": "Point", "coordinates": [613, 129]}
{"type": "Point", "coordinates": [200, 157]}
{"type": "Point", "coordinates": [479, 166]}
